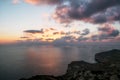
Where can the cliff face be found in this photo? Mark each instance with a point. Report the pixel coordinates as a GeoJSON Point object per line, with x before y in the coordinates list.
{"type": "Point", "coordinates": [106, 68]}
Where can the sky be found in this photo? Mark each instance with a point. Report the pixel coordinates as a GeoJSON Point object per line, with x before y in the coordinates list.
{"type": "Point", "coordinates": [59, 21]}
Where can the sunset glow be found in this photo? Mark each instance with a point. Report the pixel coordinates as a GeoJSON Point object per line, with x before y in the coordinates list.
{"type": "Point", "coordinates": [50, 39]}
{"type": "Point", "coordinates": [22, 20]}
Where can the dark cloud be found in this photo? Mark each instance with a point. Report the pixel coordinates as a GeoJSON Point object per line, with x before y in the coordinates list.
{"type": "Point", "coordinates": [49, 39]}
{"type": "Point", "coordinates": [77, 32]}
{"type": "Point", "coordinates": [24, 37]}
{"type": "Point", "coordinates": [48, 29]}
{"type": "Point", "coordinates": [73, 32]}
{"type": "Point", "coordinates": [81, 38]}
{"type": "Point", "coordinates": [77, 8]}
{"type": "Point", "coordinates": [52, 29]}
{"type": "Point", "coordinates": [105, 31]}
{"type": "Point", "coordinates": [108, 30]}
{"type": "Point", "coordinates": [55, 33]}
{"type": "Point", "coordinates": [34, 31]}
{"type": "Point", "coordinates": [59, 33]}
{"type": "Point", "coordinates": [62, 33]}
{"type": "Point", "coordinates": [111, 14]}
{"type": "Point", "coordinates": [71, 39]}
{"type": "Point", "coordinates": [61, 14]}
{"type": "Point", "coordinates": [65, 39]}
{"type": "Point", "coordinates": [105, 28]}
{"type": "Point", "coordinates": [68, 33]}
{"type": "Point", "coordinates": [85, 32]}
{"type": "Point", "coordinates": [95, 11]}
{"type": "Point", "coordinates": [68, 38]}
{"type": "Point", "coordinates": [95, 37]}
{"type": "Point", "coordinates": [117, 38]}
{"type": "Point", "coordinates": [114, 33]}
{"type": "Point", "coordinates": [99, 5]}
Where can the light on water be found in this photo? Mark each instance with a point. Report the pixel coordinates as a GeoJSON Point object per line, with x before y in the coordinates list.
{"type": "Point", "coordinates": [23, 61]}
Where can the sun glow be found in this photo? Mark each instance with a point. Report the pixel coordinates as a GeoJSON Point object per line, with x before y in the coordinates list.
{"type": "Point", "coordinates": [5, 40]}
{"type": "Point", "coordinates": [38, 22]}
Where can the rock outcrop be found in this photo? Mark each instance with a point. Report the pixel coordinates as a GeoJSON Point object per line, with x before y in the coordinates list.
{"type": "Point", "coordinates": [106, 68]}
{"type": "Point", "coordinates": [111, 56]}
{"type": "Point", "coordinates": [43, 77]}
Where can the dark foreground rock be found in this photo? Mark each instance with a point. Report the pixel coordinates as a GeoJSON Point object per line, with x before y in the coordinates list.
{"type": "Point", "coordinates": [43, 77]}
{"type": "Point", "coordinates": [106, 68]}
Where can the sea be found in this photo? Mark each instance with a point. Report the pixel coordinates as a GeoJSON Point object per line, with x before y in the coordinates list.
{"type": "Point", "coordinates": [24, 61]}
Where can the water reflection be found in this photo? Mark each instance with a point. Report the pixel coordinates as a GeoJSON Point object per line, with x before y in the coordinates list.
{"type": "Point", "coordinates": [24, 61]}
{"type": "Point", "coordinates": [53, 60]}
{"type": "Point", "coordinates": [69, 54]}
{"type": "Point", "coordinates": [44, 60]}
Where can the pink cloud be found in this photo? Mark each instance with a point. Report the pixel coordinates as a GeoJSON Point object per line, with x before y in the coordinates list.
{"type": "Point", "coordinates": [16, 1]}
{"type": "Point", "coordinates": [39, 2]}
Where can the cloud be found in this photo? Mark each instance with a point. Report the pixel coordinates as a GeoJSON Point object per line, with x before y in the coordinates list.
{"type": "Point", "coordinates": [60, 15]}
{"type": "Point", "coordinates": [114, 33]}
{"type": "Point", "coordinates": [65, 39]}
{"type": "Point", "coordinates": [49, 39]}
{"type": "Point", "coordinates": [43, 2]}
{"type": "Point", "coordinates": [94, 11]}
{"type": "Point", "coordinates": [109, 15]}
{"type": "Point", "coordinates": [81, 38]}
{"type": "Point", "coordinates": [73, 32]}
{"type": "Point", "coordinates": [99, 5]}
{"type": "Point", "coordinates": [45, 34]}
{"type": "Point", "coordinates": [117, 38]}
{"type": "Point", "coordinates": [94, 37]}
{"type": "Point", "coordinates": [34, 31]}
{"type": "Point", "coordinates": [59, 33]}
{"type": "Point", "coordinates": [55, 33]}
{"type": "Point", "coordinates": [85, 32]}
{"type": "Point", "coordinates": [52, 29]}
{"type": "Point", "coordinates": [48, 29]}
{"type": "Point", "coordinates": [105, 31]}
{"type": "Point", "coordinates": [108, 30]}
{"type": "Point", "coordinates": [77, 32]}
{"type": "Point", "coordinates": [105, 28]}
{"type": "Point", "coordinates": [24, 37]}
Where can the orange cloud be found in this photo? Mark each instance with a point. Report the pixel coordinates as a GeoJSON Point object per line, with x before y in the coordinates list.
{"type": "Point", "coordinates": [34, 2]}
{"type": "Point", "coordinates": [62, 33]}
{"type": "Point", "coordinates": [52, 29]}
{"type": "Point", "coordinates": [39, 2]}
{"type": "Point", "coordinates": [55, 33]}
{"type": "Point", "coordinates": [59, 33]}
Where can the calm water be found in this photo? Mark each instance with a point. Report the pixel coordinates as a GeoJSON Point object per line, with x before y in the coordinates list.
{"type": "Point", "coordinates": [23, 61]}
